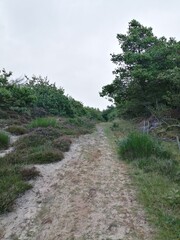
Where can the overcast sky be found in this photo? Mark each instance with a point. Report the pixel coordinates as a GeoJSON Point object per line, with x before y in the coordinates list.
{"type": "Point", "coordinates": [70, 41]}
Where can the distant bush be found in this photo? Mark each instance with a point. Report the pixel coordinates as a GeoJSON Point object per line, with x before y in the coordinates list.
{"type": "Point", "coordinates": [43, 122]}
{"type": "Point", "coordinates": [17, 130]}
{"type": "Point", "coordinates": [4, 140]}
{"type": "Point", "coordinates": [62, 143]}
{"type": "Point", "coordinates": [139, 145]}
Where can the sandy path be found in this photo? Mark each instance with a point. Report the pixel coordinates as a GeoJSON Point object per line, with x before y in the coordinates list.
{"type": "Point", "coordinates": [86, 196]}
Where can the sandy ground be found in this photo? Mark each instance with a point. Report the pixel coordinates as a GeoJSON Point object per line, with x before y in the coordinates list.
{"type": "Point", "coordinates": [87, 196]}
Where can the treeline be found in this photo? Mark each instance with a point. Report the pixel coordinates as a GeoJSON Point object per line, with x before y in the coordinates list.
{"type": "Point", "coordinates": [147, 76]}
{"type": "Point", "coordinates": [36, 96]}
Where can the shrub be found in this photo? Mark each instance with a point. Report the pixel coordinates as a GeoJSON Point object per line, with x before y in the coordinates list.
{"type": "Point", "coordinates": [43, 122]}
{"type": "Point", "coordinates": [47, 156]}
{"type": "Point", "coordinates": [4, 140]}
{"type": "Point", "coordinates": [29, 173]}
{"type": "Point", "coordinates": [62, 143]}
{"type": "Point", "coordinates": [37, 137]}
{"type": "Point", "coordinates": [17, 130]}
{"type": "Point", "coordinates": [139, 145]}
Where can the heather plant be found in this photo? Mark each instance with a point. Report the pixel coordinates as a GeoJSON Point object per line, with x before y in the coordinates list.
{"type": "Point", "coordinates": [43, 122]}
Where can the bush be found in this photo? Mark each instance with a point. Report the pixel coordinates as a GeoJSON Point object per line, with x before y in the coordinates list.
{"type": "Point", "coordinates": [4, 140]}
{"type": "Point", "coordinates": [17, 130]}
{"type": "Point", "coordinates": [62, 143]}
{"type": "Point", "coordinates": [139, 145]}
{"type": "Point", "coordinates": [37, 137]}
{"type": "Point", "coordinates": [43, 157]}
{"type": "Point", "coordinates": [43, 122]}
{"type": "Point", "coordinates": [29, 173]}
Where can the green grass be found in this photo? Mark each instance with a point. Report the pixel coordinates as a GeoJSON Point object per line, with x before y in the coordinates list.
{"type": "Point", "coordinates": [62, 143]}
{"type": "Point", "coordinates": [161, 198]}
{"type": "Point", "coordinates": [43, 122]}
{"type": "Point", "coordinates": [155, 172]}
{"type": "Point", "coordinates": [140, 145]}
{"type": "Point", "coordinates": [11, 185]}
{"type": "Point", "coordinates": [4, 140]}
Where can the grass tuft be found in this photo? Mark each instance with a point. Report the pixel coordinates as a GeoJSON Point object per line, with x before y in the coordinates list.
{"type": "Point", "coordinates": [140, 145]}
{"type": "Point", "coordinates": [43, 122]}
{"type": "Point", "coordinates": [4, 140]}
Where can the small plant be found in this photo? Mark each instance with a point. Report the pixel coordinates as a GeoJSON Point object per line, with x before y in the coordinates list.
{"type": "Point", "coordinates": [17, 130]}
{"type": "Point", "coordinates": [44, 157]}
{"type": "Point", "coordinates": [139, 145]}
{"type": "Point", "coordinates": [44, 122]}
{"type": "Point", "coordinates": [29, 173]}
{"type": "Point", "coordinates": [62, 143]}
{"type": "Point", "coordinates": [4, 140]}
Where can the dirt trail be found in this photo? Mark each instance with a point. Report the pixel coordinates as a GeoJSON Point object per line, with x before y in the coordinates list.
{"type": "Point", "coordinates": [86, 196]}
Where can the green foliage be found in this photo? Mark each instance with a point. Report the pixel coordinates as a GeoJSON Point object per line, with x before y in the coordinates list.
{"type": "Point", "coordinates": [38, 97]}
{"type": "Point", "coordinates": [110, 113]}
{"type": "Point", "coordinates": [49, 97]}
{"type": "Point", "coordinates": [140, 145]}
{"type": "Point", "coordinates": [4, 140]}
{"type": "Point", "coordinates": [147, 73]}
{"type": "Point", "coordinates": [43, 122]}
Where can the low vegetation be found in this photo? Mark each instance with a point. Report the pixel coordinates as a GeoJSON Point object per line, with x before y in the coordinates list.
{"type": "Point", "coordinates": [43, 122]}
{"type": "Point", "coordinates": [16, 129]}
{"type": "Point", "coordinates": [156, 175]}
{"type": "Point", "coordinates": [44, 142]}
{"type": "Point", "coordinates": [4, 140]}
{"type": "Point", "coordinates": [62, 143]}
{"type": "Point", "coordinates": [139, 145]}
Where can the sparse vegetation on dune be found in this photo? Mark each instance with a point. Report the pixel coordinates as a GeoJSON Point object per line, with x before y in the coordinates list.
{"type": "Point", "coordinates": [45, 116]}
{"type": "Point", "coordinates": [44, 142]}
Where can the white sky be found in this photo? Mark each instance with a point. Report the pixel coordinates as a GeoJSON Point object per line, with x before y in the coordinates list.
{"type": "Point", "coordinates": [70, 41]}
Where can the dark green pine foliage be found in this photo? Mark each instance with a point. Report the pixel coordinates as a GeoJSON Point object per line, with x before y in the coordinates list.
{"type": "Point", "coordinates": [147, 72]}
